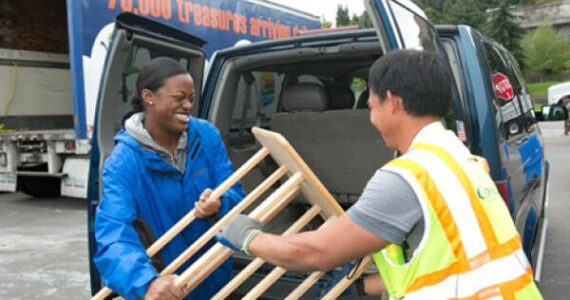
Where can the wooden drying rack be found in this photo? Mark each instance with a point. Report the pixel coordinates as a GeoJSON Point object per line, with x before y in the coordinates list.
{"type": "Point", "coordinates": [300, 180]}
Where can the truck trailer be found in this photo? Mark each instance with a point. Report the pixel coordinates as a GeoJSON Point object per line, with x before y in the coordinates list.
{"type": "Point", "coordinates": [52, 54]}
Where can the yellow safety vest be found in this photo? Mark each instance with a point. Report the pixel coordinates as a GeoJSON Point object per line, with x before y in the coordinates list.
{"type": "Point", "coordinates": [470, 248]}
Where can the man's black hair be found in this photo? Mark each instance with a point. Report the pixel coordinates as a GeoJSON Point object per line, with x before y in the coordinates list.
{"type": "Point", "coordinates": [152, 76]}
{"type": "Point", "coordinates": [420, 78]}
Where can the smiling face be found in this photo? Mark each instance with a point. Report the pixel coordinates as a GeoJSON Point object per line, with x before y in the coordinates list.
{"type": "Point", "coordinates": [382, 117]}
{"type": "Point", "coordinates": [168, 109]}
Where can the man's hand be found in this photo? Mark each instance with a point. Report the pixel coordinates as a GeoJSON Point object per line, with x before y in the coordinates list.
{"type": "Point", "coordinates": [205, 206]}
{"type": "Point", "coordinates": [163, 288]}
{"type": "Point", "coordinates": [239, 232]}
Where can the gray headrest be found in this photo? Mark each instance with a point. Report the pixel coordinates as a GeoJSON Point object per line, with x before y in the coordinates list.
{"type": "Point", "coordinates": [304, 96]}
{"type": "Point", "coordinates": [340, 97]}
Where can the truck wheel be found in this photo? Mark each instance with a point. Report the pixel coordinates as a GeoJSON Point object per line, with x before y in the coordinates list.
{"type": "Point", "coordinates": [40, 187]}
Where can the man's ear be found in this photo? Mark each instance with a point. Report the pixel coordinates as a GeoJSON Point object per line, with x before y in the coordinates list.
{"type": "Point", "coordinates": [395, 101]}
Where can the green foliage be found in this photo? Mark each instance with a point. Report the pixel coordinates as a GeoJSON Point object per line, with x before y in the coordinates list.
{"type": "Point", "coordinates": [355, 20]}
{"type": "Point", "coordinates": [435, 16]}
{"type": "Point", "coordinates": [539, 91]}
{"type": "Point", "coordinates": [342, 16]}
{"type": "Point", "coordinates": [325, 23]}
{"type": "Point", "coordinates": [540, 87]}
{"type": "Point", "coordinates": [343, 19]}
{"type": "Point", "coordinates": [365, 20]}
{"type": "Point", "coordinates": [503, 27]}
{"type": "Point", "coordinates": [546, 52]}
{"type": "Point", "coordinates": [467, 12]}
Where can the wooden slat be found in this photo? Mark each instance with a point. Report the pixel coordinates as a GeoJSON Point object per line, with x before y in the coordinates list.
{"type": "Point", "coordinates": [258, 262]}
{"type": "Point", "coordinates": [272, 277]}
{"type": "Point", "coordinates": [284, 154]}
{"type": "Point", "coordinates": [305, 286]}
{"type": "Point", "coordinates": [208, 235]}
{"type": "Point", "coordinates": [341, 286]}
{"type": "Point", "coordinates": [189, 217]}
{"type": "Point", "coordinates": [214, 257]}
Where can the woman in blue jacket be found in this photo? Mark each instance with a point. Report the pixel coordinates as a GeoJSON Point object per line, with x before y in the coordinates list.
{"type": "Point", "coordinates": [164, 164]}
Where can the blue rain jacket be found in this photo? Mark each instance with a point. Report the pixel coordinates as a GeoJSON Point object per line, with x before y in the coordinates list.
{"type": "Point", "coordinates": [139, 183]}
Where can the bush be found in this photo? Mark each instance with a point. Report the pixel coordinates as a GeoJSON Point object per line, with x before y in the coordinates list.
{"type": "Point", "coordinates": [546, 52]}
{"type": "Point", "coordinates": [539, 91]}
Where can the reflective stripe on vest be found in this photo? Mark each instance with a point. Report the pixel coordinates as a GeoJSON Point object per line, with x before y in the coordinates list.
{"type": "Point", "coordinates": [462, 201]}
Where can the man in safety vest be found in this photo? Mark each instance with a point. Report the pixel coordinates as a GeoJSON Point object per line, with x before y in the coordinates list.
{"type": "Point", "coordinates": [433, 219]}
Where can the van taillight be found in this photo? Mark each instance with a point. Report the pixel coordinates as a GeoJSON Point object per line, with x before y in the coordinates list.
{"type": "Point", "coordinates": [503, 187]}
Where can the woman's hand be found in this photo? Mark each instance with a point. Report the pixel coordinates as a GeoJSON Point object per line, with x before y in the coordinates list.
{"type": "Point", "coordinates": [163, 288]}
{"type": "Point", "coordinates": [205, 206]}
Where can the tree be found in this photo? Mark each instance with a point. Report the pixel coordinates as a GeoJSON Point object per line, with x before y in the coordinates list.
{"type": "Point", "coordinates": [467, 12]}
{"type": "Point", "coordinates": [355, 20]}
{"type": "Point", "coordinates": [436, 5]}
{"type": "Point", "coordinates": [545, 51]}
{"type": "Point", "coordinates": [365, 20]}
{"type": "Point", "coordinates": [502, 26]}
{"type": "Point", "coordinates": [325, 23]}
{"type": "Point", "coordinates": [342, 16]}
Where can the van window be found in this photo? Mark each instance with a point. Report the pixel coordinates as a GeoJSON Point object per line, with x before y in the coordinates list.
{"type": "Point", "coordinates": [416, 32]}
{"type": "Point", "coordinates": [506, 90]}
{"type": "Point", "coordinates": [256, 101]}
{"type": "Point", "coordinates": [520, 89]}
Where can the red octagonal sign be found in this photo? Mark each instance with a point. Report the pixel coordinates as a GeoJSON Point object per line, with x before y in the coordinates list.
{"type": "Point", "coordinates": [502, 86]}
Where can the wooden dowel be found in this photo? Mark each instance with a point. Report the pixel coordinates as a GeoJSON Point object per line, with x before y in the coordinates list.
{"type": "Point", "coordinates": [341, 286]}
{"type": "Point", "coordinates": [239, 173]}
{"type": "Point", "coordinates": [189, 217]}
{"type": "Point", "coordinates": [205, 237]}
{"type": "Point", "coordinates": [214, 257]}
{"type": "Point", "coordinates": [102, 294]}
{"type": "Point", "coordinates": [270, 278]}
{"type": "Point", "coordinates": [258, 262]}
{"type": "Point", "coordinates": [305, 286]}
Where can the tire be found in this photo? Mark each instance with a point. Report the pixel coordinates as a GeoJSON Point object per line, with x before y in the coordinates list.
{"type": "Point", "coordinates": [39, 187]}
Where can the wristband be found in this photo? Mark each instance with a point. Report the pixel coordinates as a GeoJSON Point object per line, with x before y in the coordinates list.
{"type": "Point", "coordinates": [250, 236]}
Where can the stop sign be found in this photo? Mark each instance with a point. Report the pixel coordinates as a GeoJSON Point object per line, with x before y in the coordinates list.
{"type": "Point", "coordinates": [502, 86]}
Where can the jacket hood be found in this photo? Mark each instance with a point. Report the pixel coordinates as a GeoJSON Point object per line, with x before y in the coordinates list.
{"type": "Point", "coordinates": [151, 159]}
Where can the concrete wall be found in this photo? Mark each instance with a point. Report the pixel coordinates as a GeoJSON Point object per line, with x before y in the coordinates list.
{"type": "Point", "coordinates": [557, 12]}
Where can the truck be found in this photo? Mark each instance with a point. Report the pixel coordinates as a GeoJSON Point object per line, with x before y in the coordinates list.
{"type": "Point", "coordinates": [557, 92]}
{"type": "Point", "coordinates": [50, 70]}
{"type": "Point", "coordinates": [312, 89]}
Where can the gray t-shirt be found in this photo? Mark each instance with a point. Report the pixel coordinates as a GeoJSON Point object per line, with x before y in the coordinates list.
{"type": "Point", "coordinates": [389, 208]}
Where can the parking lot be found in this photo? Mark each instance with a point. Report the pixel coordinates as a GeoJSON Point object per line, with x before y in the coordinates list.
{"type": "Point", "coordinates": [43, 242]}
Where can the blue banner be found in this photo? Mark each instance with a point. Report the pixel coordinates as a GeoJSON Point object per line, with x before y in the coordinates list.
{"type": "Point", "coordinates": [221, 23]}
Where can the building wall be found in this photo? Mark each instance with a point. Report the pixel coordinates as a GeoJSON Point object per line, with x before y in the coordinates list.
{"type": "Point", "coordinates": [37, 25]}
{"type": "Point", "coordinates": [556, 12]}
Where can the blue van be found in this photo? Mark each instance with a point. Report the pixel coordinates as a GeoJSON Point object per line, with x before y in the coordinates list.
{"type": "Point", "coordinates": [312, 89]}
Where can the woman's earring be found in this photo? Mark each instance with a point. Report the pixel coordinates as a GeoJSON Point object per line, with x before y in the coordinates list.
{"type": "Point", "coordinates": [150, 102]}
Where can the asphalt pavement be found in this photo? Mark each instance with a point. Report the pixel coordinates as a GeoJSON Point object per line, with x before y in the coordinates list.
{"type": "Point", "coordinates": [555, 277]}
{"type": "Point", "coordinates": [43, 242]}
{"type": "Point", "coordinates": [43, 248]}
